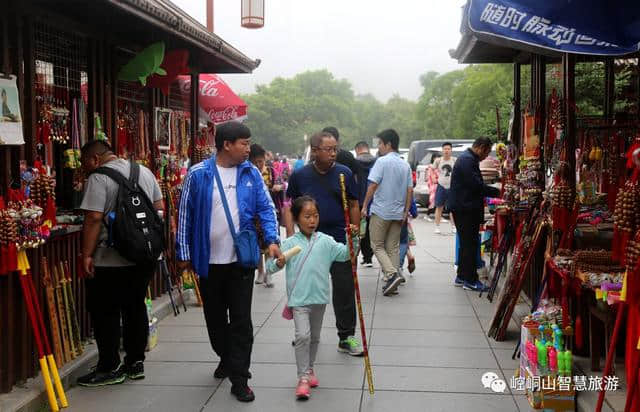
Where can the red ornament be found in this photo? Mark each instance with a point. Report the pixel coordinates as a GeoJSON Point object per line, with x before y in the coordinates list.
{"type": "Point", "coordinates": [174, 63]}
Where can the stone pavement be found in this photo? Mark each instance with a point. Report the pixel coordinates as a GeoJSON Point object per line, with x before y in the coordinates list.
{"type": "Point", "coordinates": [428, 348]}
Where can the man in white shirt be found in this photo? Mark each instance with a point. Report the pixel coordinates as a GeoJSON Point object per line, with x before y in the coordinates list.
{"type": "Point", "coordinates": [205, 243]}
{"type": "Point", "coordinates": [444, 166]}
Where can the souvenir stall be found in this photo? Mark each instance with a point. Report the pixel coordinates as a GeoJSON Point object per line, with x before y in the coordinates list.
{"type": "Point", "coordinates": [567, 231]}
{"type": "Point", "coordinates": [71, 73]}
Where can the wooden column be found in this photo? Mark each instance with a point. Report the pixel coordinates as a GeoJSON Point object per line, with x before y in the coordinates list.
{"type": "Point", "coordinates": [569, 92]}
{"type": "Point", "coordinates": [517, 103]}
{"type": "Point", "coordinates": [609, 91]}
{"type": "Point", "coordinates": [195, 107]}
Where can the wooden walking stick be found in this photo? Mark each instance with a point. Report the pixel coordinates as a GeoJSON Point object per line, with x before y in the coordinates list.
{"type": "Point", "coordinates": [354, 272]}
{"type": "Point", "coordinates": [40, 335]}
{"type": "Point", "coordinates": [62, 316]}
{"type": "Point", "coordinates": [611, 353]}
{"type": "Point", "coordinates": [53, 316]}
{"type": "Point", "coordinates": [77, 339]}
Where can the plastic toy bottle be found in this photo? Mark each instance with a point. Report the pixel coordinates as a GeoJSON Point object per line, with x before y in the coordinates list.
{"type": "Point", "coordinates": [568, 361]}
{"type": "Point", "coordinates": [542, 358]}
{"type": "Point", "coordinates": [532, 355]}
{"type": "Point", "coordinates": [557, 337]}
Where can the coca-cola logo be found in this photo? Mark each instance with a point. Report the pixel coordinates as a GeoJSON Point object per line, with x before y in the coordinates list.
{"type": "Point", "coordinates": [229, 113]}
{"type": "Point", "coordinates": [207, 87]}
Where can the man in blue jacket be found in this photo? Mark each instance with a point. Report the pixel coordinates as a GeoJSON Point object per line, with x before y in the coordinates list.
{"type": "Point", "coordinates": [466, 202]}
{"type": "Point", "coordinates": [204, 243]}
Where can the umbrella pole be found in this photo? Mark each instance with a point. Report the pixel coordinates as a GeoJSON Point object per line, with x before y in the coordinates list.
{"type": "Point", "coordinates": [367, 363]}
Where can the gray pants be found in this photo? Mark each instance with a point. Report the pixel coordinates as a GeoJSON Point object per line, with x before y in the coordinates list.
{"type": "Point", "coordinates": [308, 322]}
{"type": "Point", "coordinates": [385, 242]}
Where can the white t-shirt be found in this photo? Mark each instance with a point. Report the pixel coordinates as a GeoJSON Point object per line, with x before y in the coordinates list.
{"type": "Point", "coordinates": [220, 239]}
{"type": "Point", "coordinates": [445, 167]}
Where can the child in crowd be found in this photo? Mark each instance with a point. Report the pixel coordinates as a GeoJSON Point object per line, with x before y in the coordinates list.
{"type": "Point", "coordinates": [405, 251]}
{"type": "Point", "coordinates": [307, 281]}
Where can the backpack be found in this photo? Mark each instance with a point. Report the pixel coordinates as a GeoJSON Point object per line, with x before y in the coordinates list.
{"type": "Point", "coordinates": [138, 232]}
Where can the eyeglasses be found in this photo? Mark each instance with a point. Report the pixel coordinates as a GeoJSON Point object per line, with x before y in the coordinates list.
{"type": "Point", "coordinates": [328, 149]}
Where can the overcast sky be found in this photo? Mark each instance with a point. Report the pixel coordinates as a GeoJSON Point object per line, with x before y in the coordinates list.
{"type": "Point", "coordinates": [381, 47]}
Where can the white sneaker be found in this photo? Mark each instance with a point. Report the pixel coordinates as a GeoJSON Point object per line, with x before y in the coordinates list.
{"type": "Point", "coordinates": [437, 230]}
{"type": "Point", "coordinates": [428, 219]}
{"type": "Point", "coordinates": [453, 230]}
{"type": "Point", "coordinates": [443, 220]}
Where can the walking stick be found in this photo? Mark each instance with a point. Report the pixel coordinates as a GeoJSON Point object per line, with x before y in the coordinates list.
{"type": "Point", "coordinates": [610, 353]}
{"type": "Point", "coordinates": [72, 303]}
{"type": "Point", "coordinates": [347, 220]}
{"type": "Point", "coordinates": [53, 315]}
{"type": "Point", "coordinates": [40, 335]}
{"type": "Point", "coordinates": [196, 286]}
{"type": "Point", "coordinates": [169, 286]}
{"type": "Point", "coordinates": [62, 316]}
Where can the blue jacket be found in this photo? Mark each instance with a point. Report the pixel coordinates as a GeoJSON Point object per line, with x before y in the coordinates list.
{"type": "Point", "coordinates": [468, 189]}
{"type": "Point", "coordinates": [196, 202]}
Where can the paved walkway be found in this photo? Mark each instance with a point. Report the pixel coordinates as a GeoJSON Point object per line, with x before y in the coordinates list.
{"type": "Point", "coordinates": [428, 347]}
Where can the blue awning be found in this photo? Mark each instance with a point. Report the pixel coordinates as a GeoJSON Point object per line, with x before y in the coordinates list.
{"type": "Point", "coordinates": [594, 27]}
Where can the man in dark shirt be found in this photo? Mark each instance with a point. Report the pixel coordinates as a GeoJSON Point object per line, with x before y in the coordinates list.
{"type": "Point", "coordinates": [466, 202]}
{"type": "Point", "coordinates": [321, 180]}
{"type": "Point", "coordinates": [366, 161]}
{"type": "Point", "coordinates": [344, 156]}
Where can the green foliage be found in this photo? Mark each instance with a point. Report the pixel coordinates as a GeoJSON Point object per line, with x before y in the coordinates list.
{"type": "Point", "coordinates": [281, 113]}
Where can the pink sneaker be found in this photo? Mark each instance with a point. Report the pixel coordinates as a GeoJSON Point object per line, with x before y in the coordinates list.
{"type": "Point", "coordinates": [303, 390]}
{"type": "Point", "coordinates": [313, 379]}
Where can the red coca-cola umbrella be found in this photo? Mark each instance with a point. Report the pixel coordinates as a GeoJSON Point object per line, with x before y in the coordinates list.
{"type": "Point", "coordinates": [218, 103]}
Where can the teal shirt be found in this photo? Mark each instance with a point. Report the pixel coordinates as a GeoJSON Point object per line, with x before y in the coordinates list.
{"type": "Point", "coordinates": [312, 287]}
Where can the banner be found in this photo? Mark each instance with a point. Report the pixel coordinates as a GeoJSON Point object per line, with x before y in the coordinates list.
{"type": "Point", "coordinates": [10, 120]}
{"type": "Point", "coordinates": [594, 27]}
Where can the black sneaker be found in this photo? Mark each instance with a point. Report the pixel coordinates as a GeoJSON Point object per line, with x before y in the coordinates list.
{"type": "Point", "coordinates": [220, 372]}
{"type": "Point", "coordinates": [391, 285]}
{"type": "Point", "coordinates": [243, 393]}
{"type": "Point", "coordinates": [366, 263]}
{"type": "Point", "coordinates": [136, 371]}
{"type": "Point", "coordinates": [95, 378]}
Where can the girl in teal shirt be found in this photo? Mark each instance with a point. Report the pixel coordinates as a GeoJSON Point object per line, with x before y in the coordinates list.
{"type": "Point", "coordinates": [307, 278]}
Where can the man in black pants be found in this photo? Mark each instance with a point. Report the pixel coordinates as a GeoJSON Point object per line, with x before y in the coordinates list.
{"type": "Point", "coordinates": [204, 242]}
{"type": "Point", "coordinates": [321, 180]}
{"type": "Point", "coordinates": [115, 286]}
{"type": "Point", "coordinates": [466, 202]}
{"type": "Point", "coordinates": [366, 161]}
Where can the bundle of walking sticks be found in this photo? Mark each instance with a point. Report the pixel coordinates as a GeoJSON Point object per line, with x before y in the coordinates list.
{"type": "Point", "coordinates": [63, 318]}
{"type": "Point", "coordinates": [532, 233]}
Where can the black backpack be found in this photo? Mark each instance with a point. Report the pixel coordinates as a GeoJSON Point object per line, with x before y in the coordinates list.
{"type": "Point", "coordinates": [138, 232]}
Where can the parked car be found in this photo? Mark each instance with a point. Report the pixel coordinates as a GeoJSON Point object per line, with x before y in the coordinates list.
{"type": "Point", "coordinates": [418, 149]}
{"type": "Point", "coordinates": [489, 168]}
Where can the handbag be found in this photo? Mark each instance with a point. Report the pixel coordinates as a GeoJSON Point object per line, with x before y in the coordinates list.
{"type": "Point", "coordinates": [287, 312]}
{"type": "Point", "coordinates": [245, 241]}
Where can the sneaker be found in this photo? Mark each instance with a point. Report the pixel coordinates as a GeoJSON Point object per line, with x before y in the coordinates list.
{"type": "Point", "coordinates": [313, 379]}
{"type": "Point", "coordinates": [366, 264]}
{"type": "Point", "coordinates": [303, 390]}
{"type": "Point", "coordinates": [220, 372]}
{"type": "Point", "coordinates": [243, 393]}
{"type": "Point", "coordinates": [267, 282]}
{"type": "Point", "coordinates": [351, 345]}
{"type": "Point", "coordinates": [95, 378]}
{"type": "Point", "coordinates": [391, 285]}
{"type": "Point", "coordinates": [260, 278]}
{"type": "Point", "coordinates": [136, 371]}
{"type": "Point", "coordinates": [437, 230]}
{"type": "Point", "coordinates": [444, 220]}
{"type": "Point", "coordinates": [453, 230]}
{"type": "Point", "coordinates": [476, 287]}
{"type": "Point", "coordinates": [403, 280]}
{"type": "Point", "coordinates": [458, 282]}
{"type": "Point", "coordinates": [428, 218]}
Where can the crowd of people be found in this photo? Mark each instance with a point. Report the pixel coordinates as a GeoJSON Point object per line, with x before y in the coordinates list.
{"type": "Point", "coordinates": [231, 212]}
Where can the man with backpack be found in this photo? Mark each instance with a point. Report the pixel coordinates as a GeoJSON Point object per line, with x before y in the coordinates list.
{"type": "Point", "coordinates": [220, 201]}
{"type": "Point", "coordinates": [116, 280]}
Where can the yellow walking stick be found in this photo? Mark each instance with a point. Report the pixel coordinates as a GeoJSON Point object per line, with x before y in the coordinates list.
{"type": "Point", "coordinates": [347, 220]}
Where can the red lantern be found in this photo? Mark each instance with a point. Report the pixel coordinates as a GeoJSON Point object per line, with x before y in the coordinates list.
{"type": "Point", "coordinates": [252, 15]}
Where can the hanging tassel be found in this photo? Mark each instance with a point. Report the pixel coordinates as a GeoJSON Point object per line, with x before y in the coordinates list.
{"type": "Point", "coordinates": [4, 267]}
{"type": "Point", "coordinates": [50, 212]}
{"type": "Point", "coordinates": [12, 257]}
{"type": "Point", "coordinates": [579, 332]}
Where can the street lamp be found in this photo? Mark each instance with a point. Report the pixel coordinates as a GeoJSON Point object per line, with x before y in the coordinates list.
{"type": "Point", "coordinates": [252, 14]}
